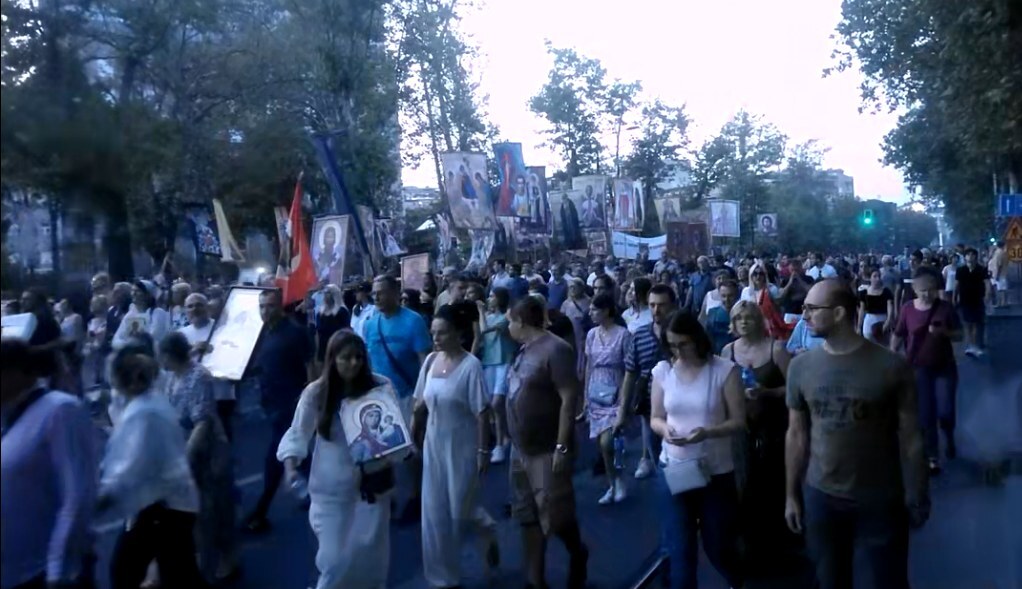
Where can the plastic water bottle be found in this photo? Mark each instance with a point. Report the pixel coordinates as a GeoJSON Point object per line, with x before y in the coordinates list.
{"type": "Point", "coordinates": [619, 452]}
{"type": "Point", "coordinates": [300, 488]}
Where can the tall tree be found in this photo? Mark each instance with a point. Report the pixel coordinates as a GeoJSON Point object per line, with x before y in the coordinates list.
{"type": "Point", "coordinates": [572, 101]}
{"type": "Point", "coordinates": [664, 135]}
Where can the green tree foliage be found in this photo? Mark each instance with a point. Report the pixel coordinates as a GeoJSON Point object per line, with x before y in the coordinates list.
{"type": "Point", "coordinates": [955, 68]}
{"type": "Point", "coordinates": [573, 101]}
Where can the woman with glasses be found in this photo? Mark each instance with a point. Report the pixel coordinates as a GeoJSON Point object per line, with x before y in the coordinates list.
{"type": "Point", "coordinates": [763, 364]}
{"type": "Point", "coordinates": [697, 406]}
{"type": "Point", "coordinates": [605, 369]}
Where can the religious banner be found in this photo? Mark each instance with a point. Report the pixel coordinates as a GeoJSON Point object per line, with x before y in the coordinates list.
{"type": "Point", "coordinates": [639, 195]}
{"type": "Point", "coordinates": [504, 238]}
{"type": "Point", "coordinates": [724, 218]}
{"type": "Point", "coordinates": [591, 209]}
{"type": "Point", "coordinates": [368, 220]}
{"type": "Point", "coordinates": [668, 209]}
{"type": "Point", "coordinates": [538, 221]}
{"type": "Point", "coordinates": [329, 245]}
{"type": "Point", "coordinates": [626, 209]}
{"type": "Point", "coordinates": [628, 247]}
{"type": "Point", "coordinates": [567, 230]}
{"type": "Point", "coordinates": [204, 233]}
{"type": "Point", "coordinates": [687, 241]}
{"type": "Point", "coordinates": [512, 191]}
{"type": "Point", "coordinates": [467, 188]}
{"type": "Point", "coordinates": [234, 334]}
{"type": "Point", "coordinates": [414, 270]}
{"type": "Point", "coordinates": [443, 226]}
{"type": "Point", "coordinates": [482, 247]}
{"type": "Point", "coordinates": [766, 224]}
{"type": "Point", "coordinates": [386, 242]}
{"type": "Point", "coordinates": [598, 245]}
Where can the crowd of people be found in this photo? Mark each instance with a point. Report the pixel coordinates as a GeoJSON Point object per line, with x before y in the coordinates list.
{"type": "Point", "coordinates": [782, 404]}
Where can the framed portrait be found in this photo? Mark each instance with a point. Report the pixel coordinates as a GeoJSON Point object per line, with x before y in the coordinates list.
{"type": "Point", "coordinates": [512, 191]}
{"type": "Point", "coordinates": [374, 426]}
{"type": "Point", "coordinates": [329, 245]}
{"type": "Point", "coordinates": [20, 326]}
{"type": "Point", "coordinates": [235, 334]}
{"type": "Point", "coordinates": [467, 187]}
{"type": "Point", "coordinates": [766, 224]}
{"type": "Point", "coordinates": [724, 220]}
{"type": "Point", "coordinates": [414, 270]}
{"type": "Point", "coordinates": [591, 200]}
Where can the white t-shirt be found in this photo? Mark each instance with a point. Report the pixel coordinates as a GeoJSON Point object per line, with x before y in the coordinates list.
{"type": "Point", "coordinates": [687, 408]}
{"type": "Point", "coordinates": [712, 300]}
{"type": "Point", "coordinates": [949, 278]}
{"type": "Point", "coordinates": [636, 320]}
{"type": "Point", "coordinates": [816, 273]}
{"type": "Point", "coordinates": [223, 390]}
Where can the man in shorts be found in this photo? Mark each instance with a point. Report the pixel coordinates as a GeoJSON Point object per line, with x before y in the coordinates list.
{"type": "Point", "coordinates": [971, 288]}
{"type": "Point", "coordinates": [542, 400]}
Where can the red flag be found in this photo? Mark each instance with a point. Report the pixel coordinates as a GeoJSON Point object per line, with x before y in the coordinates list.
{"type": "Point", "coordinates": [300, 276]}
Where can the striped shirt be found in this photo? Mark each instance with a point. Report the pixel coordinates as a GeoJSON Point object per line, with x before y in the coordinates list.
{"type": "Point", "coordinates": [643, 353]}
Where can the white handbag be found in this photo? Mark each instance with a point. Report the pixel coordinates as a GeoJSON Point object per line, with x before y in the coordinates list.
{"type": "Point", "coordinates": [686, 474]}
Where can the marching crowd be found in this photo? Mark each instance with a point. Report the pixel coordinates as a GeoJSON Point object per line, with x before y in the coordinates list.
{"type": "Point", "coordinates": [784, 404]}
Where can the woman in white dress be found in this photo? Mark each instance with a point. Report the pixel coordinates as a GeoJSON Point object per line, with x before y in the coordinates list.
{"type": "Point", "coordinates": [349, 502]}
{"type": "Point", "coordinates": [452, 405]}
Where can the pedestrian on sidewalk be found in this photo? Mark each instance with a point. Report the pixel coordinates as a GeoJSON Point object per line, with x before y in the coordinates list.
{"type": "Point", "coordinates": [497, 350]}
{"type": "Point", "coordinates": [542, 399]}
{"type": "Point", "coordinates": [855, 466]}
{"type": "Point", "coordinates": [282, 360]}
{"type": "Point", "coordinates": [927, 326]}
{"type": "Point", "coordinates": [349, 502]}
{"type": "Point", "coordinates": [452, 419]}
{"type": "Point", "coordinates": [48, 475]}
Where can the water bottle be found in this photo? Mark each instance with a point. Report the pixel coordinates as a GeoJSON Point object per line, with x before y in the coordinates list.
{"type": "Point", "coordinates": [619, 452]}
{"type": "Point", "coordinates": [749, 378]}
{"type": "Point", "coordinates": [300, 488]}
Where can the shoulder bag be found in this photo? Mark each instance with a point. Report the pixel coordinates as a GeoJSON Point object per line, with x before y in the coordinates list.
{"type": "Point", "coordinates": [409, 380]}
{"type": "Point", "coordinates": [690, 473]}
{"type": "Point", "coordinates": [420, 414]}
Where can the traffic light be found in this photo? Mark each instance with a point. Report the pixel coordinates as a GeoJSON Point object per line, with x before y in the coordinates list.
{"type": "Point", "coordinates": [867, 217]}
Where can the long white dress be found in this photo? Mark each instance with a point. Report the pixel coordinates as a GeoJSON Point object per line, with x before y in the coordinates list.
{"type": "Point", "coordinates": [353, 535]}
{"type": "Point", "coordinates": [450, 481]}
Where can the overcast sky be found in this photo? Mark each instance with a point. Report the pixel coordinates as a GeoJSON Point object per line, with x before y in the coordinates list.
{"type": "Point", "coordinates": [714, 57]}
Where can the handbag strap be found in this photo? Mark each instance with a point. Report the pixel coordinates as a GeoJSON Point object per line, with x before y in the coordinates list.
{"type": "Point", "coordinates": [390, 355]}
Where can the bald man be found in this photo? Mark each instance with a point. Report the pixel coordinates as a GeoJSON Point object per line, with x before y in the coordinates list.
{"type": "Point", "coordinates": [198, 330]}
{"type": "Point", "coordinates": [856, 469]}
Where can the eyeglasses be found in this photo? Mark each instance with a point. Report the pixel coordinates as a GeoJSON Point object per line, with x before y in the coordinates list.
{"type": "Point", "coordinates": [814, 308]}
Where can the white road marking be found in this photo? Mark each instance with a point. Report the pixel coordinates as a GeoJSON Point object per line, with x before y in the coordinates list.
{"type": "Point", "coordinates": [106, 528]}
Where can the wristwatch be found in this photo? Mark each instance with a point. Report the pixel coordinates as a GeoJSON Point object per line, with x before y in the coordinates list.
{"type": "Point", "coordinates": [561, 449]}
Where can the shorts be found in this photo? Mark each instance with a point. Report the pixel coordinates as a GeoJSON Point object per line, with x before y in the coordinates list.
{"type": "Point", "coordinates": [538, 494]}
{"type": "Point", "coordinates": [495, 378]}
{"type": "Point", "coordinates": [1001, 284]}
{"type": "Point", "coordinates": [973, 313]}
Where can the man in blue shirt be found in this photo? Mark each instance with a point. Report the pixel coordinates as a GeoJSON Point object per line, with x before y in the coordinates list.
{"type": "Point", "coordinates": [700, 283]}
{"type": "Point", "coordinates": [282, 359]}
{"type": "Point", "coordinates": [397, 340]}
{"type": "Point", "coordinates": [518, 286]}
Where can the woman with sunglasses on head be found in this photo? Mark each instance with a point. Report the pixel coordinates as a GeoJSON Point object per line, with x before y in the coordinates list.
{"type": "Point", "coordinates": [452, 426]}
{"type": "Point", "coordinates": [349, 499]}
{"type": "Point", "coordinates": [758, 284]}
{"type": "Point", "coordinates": [697, 405]}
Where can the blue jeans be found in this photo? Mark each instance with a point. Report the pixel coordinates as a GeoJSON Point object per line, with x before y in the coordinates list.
{"type": "Point", "coordinates": [936, 390]}
{"type": "Point", "coordinates": [842, 532]}
{"type": "Point", "coordinates": [712, 512]}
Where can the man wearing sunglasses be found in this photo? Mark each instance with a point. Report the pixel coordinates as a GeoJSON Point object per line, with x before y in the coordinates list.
{"type": "Point", "coordinates": [856, 470]}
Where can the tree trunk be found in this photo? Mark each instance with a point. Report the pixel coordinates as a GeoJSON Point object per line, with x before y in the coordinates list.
{"type": "Point", "coordinates": [117, 238]}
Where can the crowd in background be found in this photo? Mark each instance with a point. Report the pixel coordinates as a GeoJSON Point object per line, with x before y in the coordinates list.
{"type": "Point", "coordinates": [718, 362]}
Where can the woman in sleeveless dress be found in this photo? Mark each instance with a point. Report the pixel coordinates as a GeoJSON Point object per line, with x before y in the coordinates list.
{"type": "Point", "coordinates": [763, 363]}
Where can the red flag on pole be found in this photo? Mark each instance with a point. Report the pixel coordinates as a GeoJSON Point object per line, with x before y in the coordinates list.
{"type": "Point", "coordinates": [299, 277]}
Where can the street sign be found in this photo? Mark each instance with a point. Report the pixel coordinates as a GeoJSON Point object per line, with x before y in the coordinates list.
{"type": "Point", "coordinates": [1009, 205]}
{"type": "Point", "coordinates": [1013, 239]}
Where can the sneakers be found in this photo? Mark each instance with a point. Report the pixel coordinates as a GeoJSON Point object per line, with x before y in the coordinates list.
{"type": "Point", "coordinates": [615, 493]}
{"type": "Point", "coordinates": [645, 469]}
{"type": "Point", "coordinates": [974, 352]}
{"type": "Point", "coordinates": [499, 454]}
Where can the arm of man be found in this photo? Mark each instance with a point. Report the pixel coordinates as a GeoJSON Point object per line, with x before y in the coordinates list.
{"type": "Point", "coordinates": [796, 452]}
{"type": "Point", "coordinates": [562, 371]}
{"type": "Point", "coordinates": [76, 464]}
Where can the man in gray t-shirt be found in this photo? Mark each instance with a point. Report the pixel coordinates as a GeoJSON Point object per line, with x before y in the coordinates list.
{"type": "Point", "coordinates": [854, 440]}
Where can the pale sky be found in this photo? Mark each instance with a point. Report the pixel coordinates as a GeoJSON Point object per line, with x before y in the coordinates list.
{"type": "Point", "coordinates": [715, 57]}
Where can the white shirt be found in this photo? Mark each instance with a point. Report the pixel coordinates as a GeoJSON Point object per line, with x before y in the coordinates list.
{"type": "Point", "coordinates": [358, 323]}
{"type": "Point", "coordinates": [223, 390]}
{"type": "Point", "coordinates": [145, 459]}
{"type": "Point", "coordinates": [687, 408]}
{"type": "Point", "coordinates": [816, 272]}
{"type": "Point", "coordinates": [712, 300]}
{"type": "Point", "coordinates": [636, 320]}
{"type": "Point", "coordinates": [752, 295]}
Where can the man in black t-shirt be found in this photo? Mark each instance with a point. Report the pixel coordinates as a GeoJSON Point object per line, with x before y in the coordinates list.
{"type": "Point", "coordinates": [972, 283]}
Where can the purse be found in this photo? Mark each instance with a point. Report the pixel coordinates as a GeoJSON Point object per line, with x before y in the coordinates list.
{"type": "Point", "coordinates": [602, 394]}
{"type": "Point", "coordinates": [690, 473]}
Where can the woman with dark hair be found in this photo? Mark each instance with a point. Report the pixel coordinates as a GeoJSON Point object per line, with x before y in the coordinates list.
{"type": "Point", "coordinates": [697, 405]}
{"type": "Point", "coordinates": [189, 388]}
{"type": "Point", "coordinates": [497, 350]}
{"type": "Point", "coordinates": [146, 479]}
{"type": "Point", "coordinates": [412, 299]}
{"type": "Point", "coordinates": [605, 369]}
{"type": "Point", "coordinates": [349, 500]}
{"type": "Point", "coordinates": [451, 398]}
